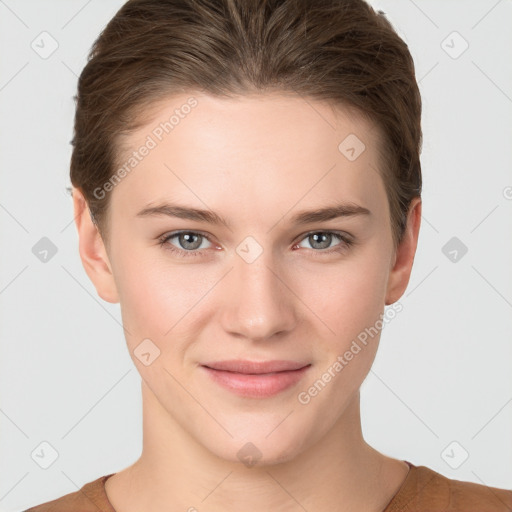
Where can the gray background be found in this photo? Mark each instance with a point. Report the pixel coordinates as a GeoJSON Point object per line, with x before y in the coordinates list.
{"type": "Point", "coordinates": [441, 386]}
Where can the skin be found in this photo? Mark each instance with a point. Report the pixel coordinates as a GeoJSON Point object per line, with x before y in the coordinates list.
{"type": "Point", "coordinates": [256, 160]}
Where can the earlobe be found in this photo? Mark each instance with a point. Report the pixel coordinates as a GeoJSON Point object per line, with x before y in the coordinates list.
{"type": "Point", "coordinates": [404, 256]}
{"type": "Point", "coordinates": [92, 250]}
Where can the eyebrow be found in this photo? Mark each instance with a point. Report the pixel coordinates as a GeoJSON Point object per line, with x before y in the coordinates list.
{"type": "Point", "coordinates": [210, 217]}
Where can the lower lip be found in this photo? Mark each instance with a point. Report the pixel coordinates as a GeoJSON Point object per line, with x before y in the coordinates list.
{"type": "Point", "coordinates": [256, 386]}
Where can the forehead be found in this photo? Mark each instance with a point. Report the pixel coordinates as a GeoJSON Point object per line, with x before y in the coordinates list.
{"type": "Point", "coordinates": [256, 110]}
{"type": "Point", "coordinates": [243, 148]}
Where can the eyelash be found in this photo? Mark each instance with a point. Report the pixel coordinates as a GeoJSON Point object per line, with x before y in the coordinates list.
{"type": "Point", "coordinates": [347, 242]}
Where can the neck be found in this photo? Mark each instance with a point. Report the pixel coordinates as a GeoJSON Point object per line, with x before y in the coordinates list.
{"type": "Point", "coordinates": [175, 472]}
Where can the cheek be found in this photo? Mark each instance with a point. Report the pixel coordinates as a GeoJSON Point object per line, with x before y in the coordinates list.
{"type": "Point", "coordinates": [160, 301]}
{"type": "Point", "coordinates": [349, 302]}
{"type": "Point", "coordinates": [149, 295]}
{"type": "Point", "coordinates": [346, 297]}
{"type": "Point", "coordinates": [164, 301]}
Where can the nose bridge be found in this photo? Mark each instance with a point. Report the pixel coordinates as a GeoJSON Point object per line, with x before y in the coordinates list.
{"type": "Point", "coordinates": [259, 305]}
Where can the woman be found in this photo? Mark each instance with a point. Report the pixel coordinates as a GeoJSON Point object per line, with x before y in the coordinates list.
{"type": "Point", "coordinates": [247, 185]}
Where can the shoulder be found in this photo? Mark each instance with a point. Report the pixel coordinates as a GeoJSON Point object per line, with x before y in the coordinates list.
{"type": "Point", "coordinates": [90, 498]}
{"type": "Point", "coordinates": [426, 490]}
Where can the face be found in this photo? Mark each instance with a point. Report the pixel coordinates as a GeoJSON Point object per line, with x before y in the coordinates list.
{"type": "Point", "coordinates": [254, 279]}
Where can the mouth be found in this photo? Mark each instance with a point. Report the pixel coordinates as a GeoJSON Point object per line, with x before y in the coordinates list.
{"type": "Point", "coordinates": [256, 379]}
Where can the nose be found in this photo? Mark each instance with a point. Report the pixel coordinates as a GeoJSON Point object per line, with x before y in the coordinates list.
{"type": "Point", "coordinates": [259, 303]}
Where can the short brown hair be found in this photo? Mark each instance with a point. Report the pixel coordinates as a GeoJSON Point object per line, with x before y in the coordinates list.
{"type": "Point", "coordinates": [341, 51]}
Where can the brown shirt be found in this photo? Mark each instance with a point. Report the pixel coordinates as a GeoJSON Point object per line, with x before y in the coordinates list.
{"type": "Point", "coordinates": [423, 490]}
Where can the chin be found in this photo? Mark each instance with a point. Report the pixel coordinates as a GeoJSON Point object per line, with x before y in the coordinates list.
{"type": "Point", "coordinates": [255, 448]}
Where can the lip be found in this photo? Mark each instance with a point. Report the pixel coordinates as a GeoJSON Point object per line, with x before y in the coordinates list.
{"type": "Point", "coordinates": [256, 379]}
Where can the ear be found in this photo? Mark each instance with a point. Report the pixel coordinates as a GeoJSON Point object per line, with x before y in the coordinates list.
{"type": "Point", "coordinates": [404, 255]}
{"type": "Point", "coordinates": [92, 250]}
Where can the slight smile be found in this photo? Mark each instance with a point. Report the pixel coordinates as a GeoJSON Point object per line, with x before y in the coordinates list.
{"type": "Point", "coordinates": [256, 379]}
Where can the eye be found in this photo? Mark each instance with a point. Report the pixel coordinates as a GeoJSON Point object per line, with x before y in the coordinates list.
{"type": "Point", "coordinates": [321, 241]}
{"type": "Point", "coordinates": [189, 242]}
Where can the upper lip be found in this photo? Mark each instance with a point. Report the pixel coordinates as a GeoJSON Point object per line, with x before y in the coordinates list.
{"type": "Point", "coordinates": [255, 367]}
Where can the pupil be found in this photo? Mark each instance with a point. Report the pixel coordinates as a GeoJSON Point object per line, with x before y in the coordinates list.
{"type": "Point", "coordinates": [188, 239]}
{"type": "Point", "coordinates": [322, 238]}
